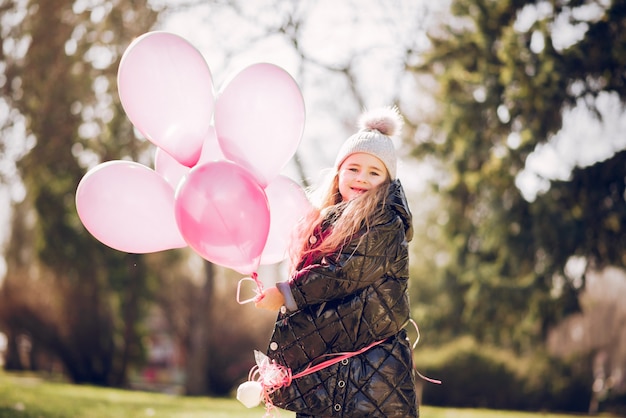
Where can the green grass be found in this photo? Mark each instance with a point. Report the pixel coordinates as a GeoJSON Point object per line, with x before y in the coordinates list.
{"type": "Point", "coordinates": [29, 396]}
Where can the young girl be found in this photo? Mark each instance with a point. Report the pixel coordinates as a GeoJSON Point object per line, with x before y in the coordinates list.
{"type": "Point", "coordinates": [347, 296]}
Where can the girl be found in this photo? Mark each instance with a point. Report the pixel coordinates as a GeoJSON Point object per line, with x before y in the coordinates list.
{"type": "Point", "coordinates": [347, 296]}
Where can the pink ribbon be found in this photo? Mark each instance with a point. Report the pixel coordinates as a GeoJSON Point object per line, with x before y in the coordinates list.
{"type": "Point", "coordinates": [337, 357]}
{"type": "Point", "coordinates": [273, 376]}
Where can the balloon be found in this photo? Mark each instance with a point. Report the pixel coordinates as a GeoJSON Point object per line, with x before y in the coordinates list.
{"type": "Point", "coordinates": [170, 169]}
{"type": "Point", "coordinates": [259, 119]}
{"type": "Point", "coordinates": [211, 150]}
{"type": "Point", "coordinates": [288, 203]}
{"type": "Point", "coordinates": [128, 207]}
{"type": "Point", "coordinates": [173, 171]}
{"type": "Point", "coordinates": [166, 89]}
{"type": "Point", "coordinates": [223, 214]}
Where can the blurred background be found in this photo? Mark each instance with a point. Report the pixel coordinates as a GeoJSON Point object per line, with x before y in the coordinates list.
{"type": "Point", "coordinates": [513, 156]}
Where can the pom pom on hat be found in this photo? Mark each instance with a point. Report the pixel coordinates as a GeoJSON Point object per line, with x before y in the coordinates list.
{"type": "Point", "coordinates": [385, 120]}
{"type": "Point", "coordinates": [376, 127]}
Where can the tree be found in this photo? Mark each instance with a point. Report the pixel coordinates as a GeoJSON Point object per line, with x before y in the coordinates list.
{"type": "Point", "coordinates": [69, 295]}
{"type": "Point", "coordinates": [504, 81]}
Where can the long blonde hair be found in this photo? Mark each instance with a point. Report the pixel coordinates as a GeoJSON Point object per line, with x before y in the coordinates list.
{"type": "Point", "coordinates": [349, 218]}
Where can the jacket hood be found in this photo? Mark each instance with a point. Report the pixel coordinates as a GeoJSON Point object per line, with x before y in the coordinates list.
{"type": "Point", "coordinates": [397, 202]}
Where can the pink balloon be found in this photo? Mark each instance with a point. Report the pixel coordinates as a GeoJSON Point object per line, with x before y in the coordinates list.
{"type": "Point", "coordinates": [166, 89]}
{"type": "Point", "coordinates": [128, 207]}
{"type": "Point", "coordinates": [223, 214]}
{"type": "Point", "coordinates": [288, 204]}
{"type": "Point", "coordinates": [211, 150]}
{"type": "Point", "coordinates": [170, 169]}
{"type": "Point", "coordinates": [259, 119]}
{"type": "Point", "coordinates": [173, 171]}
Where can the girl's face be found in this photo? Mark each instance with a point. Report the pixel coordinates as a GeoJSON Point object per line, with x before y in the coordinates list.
{"type": "Point", "coordinates": [359, 173]}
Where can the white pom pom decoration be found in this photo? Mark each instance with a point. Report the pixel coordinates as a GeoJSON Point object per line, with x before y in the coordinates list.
{"type": "Point", "coordinates": [250, 393]}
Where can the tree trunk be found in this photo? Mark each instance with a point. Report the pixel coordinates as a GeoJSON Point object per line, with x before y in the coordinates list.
{"type": "Point", "coordinates": [198, 355]}
{"type": "Point", "coordinates": [12, 356]}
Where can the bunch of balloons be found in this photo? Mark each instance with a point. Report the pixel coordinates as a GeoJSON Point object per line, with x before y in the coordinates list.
{"type": "Point", "coordinates": [216, 184]}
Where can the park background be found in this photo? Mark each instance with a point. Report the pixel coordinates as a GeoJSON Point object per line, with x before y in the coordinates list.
{"type": "Point", "coordinates": [513, 156]}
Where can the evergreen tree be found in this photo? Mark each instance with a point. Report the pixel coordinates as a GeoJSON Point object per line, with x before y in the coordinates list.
{"type": "Point", "coordinates": [504, 83]}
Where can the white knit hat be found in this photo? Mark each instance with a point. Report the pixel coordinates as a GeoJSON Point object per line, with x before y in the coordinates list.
{"type": "Point", "coordinates": [376, 127]}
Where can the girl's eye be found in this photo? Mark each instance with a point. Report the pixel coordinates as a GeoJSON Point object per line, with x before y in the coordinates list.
{"type": "Point", "coordinates": [374, 173]}
{"type": "Point", "coordinates": [353, 169]}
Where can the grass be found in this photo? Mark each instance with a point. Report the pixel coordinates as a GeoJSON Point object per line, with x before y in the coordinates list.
{"type": "Point", "coordinates": [29, 396]}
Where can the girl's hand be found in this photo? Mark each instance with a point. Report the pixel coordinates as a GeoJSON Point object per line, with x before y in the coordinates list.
{"type": "Point", "coordinates": [271, 299]}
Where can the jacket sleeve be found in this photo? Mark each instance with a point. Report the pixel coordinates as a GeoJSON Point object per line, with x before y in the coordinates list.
{"type": "Point", "coordinates": [360, 263]}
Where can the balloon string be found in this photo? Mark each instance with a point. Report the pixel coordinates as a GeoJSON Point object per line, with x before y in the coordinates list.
{"type": "Point", "coordinates": [258, 292]}
{"type": "Point", "coordinates": [417, 339]}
